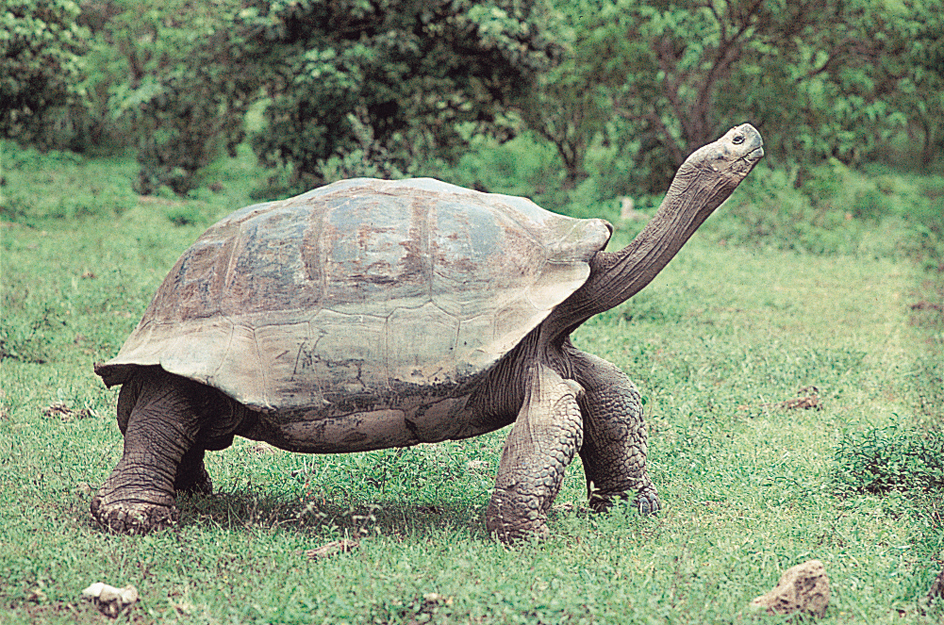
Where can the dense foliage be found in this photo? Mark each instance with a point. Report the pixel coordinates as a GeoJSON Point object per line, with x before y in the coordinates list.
{"type": "Point", "coordinates": [821, 78]}
{"type": "Point", "coordinates": [922, 97]}
{"type": "Point", "coordinates": [166, 73]}
{"type": "Point", "coordinates": [385, 86]}
{"type": "Point", "coordinates": [346, 87]}
{"type": "Point", "coordinates": [40, 65]}
{"type": "Point", "coordinates": [620, 90]}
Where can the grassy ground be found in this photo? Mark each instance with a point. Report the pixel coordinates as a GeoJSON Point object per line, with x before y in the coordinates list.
{"type": "Point", "coordinates": [723, 337]}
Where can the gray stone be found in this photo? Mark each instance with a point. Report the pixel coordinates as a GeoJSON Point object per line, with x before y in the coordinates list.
{"type": "Point", "coordinates": [803, 587]}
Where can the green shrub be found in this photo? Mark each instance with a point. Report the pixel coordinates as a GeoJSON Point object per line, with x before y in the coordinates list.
{"type": "Point", "coordinates": [524, 166]}
{"type": "Point", "coordinates": [185, 215]}
{"type": "Point", "coordinates": [40, 58]}
{"type": "Point", "coordinates": [880, 460]}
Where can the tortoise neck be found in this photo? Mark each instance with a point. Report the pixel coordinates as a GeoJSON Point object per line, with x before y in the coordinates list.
{"type": "Point", "coordinates": [617, 276]}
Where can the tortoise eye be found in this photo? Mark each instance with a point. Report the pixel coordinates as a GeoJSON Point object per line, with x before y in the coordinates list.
{"type": "Point", "coordinates": [738, 139]}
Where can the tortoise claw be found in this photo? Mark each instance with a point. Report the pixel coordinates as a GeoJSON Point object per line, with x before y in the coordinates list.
{"type": "Point", "coordinates": [133, 517]}
{"type": "Point", "coordinates": [647, 501]}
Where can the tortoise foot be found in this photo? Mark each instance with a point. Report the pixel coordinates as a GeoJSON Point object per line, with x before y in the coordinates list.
{"type": "Point", "coordinates": [511, 518]}
{"type": "Point", "coordinates": [133, 517]}
{"type": "Point", "coordinates": [192, 476]}
{"type": "Point", "coordinates": [521, 532]}
{"type": "Point", "coordinates": [647, 501]}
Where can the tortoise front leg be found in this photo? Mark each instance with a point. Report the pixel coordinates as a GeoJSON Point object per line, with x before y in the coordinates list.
{"type": "Point", "coordinates": [543, 441]}
{"type": "Point", "coordinates": [159, 415]}
{"type": "Point", "coordinates": [614, 442]}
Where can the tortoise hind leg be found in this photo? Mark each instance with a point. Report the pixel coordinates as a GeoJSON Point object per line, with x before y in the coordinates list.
{"type": "Point", "coordinates": [192, 476]}
{"type": "Point", "coordinates": [159, 415]}
{"type": "Point", "coordinates": [546, 436]}
{"type": "Point", "coordinates": [615, 442]}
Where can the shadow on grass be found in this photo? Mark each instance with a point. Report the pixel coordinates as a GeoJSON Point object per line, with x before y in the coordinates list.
{"type": "Point", "coordinates": [248, 509]}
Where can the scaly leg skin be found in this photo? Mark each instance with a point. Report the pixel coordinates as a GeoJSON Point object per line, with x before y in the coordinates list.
{"type": "Point", "coordinates": [543, 441]}
{"type": "Point", "coordinates": [159, 432]}
{"type": "Point", "coordinates": [614, 446]}
{"type": "Point", "coordinates": [192, 476]}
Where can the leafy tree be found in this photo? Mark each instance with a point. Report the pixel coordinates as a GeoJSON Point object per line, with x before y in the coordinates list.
{"type": "Point", "coordinates": [40, 49]}
{"type": "Point", "coordinates": [667, 76]}
{"type": "Point", "coordinates": [376, 87]}
{"type": "Point", "coordinates": [158, 73]}
{"type": "Point", "coordinates": [828, 90]}
{"type": "Point", "coordinates": [349, 86]}
{"type": "Point", "coordinates": [920, 70]}
{"type": "Point", "coordinates": [565, 106]}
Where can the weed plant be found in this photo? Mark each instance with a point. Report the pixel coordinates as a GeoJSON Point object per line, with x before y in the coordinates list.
{"type": "Point", "coordinates": [880, 460]}
{"type": "Point", "coordinates": [739, 324]}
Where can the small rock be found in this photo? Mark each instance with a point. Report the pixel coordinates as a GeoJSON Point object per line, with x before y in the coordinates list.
{"type": "Point", "coordinates": [109, 600]}
{"type": "Point", "coordinates": [802, 587]}
{"type": "Point", "coordinates": [477, 465]}
{"type": "Point", "coordinates": [434, 598]}
{"type": "Point", "coordinates": [338, 546]}
{"type": "Point", "coordinates": [804, 403]}
{"type": "Point", "coordinates": [807, 399]}
{"type": "Point", "coordinates": [83, 488]}
{"type": "Point", "coordinates": [263, 447]}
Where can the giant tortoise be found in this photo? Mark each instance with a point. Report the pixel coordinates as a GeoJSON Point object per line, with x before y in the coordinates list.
{"type": "Point", "coordinates": [370, 314]}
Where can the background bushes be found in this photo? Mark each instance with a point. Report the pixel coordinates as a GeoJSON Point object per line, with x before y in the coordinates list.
{"type": "Point", "coordinates": [619, 93]}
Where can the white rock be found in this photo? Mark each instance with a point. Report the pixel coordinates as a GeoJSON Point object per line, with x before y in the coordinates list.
{"type": "Point", "coordinates": [109, 600]}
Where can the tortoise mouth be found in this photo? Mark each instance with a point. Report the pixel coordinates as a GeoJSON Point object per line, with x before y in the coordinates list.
{"type": "Point", "coordinates": [745, 164]}
{"type": "Point", "coordinates": [754, 155]}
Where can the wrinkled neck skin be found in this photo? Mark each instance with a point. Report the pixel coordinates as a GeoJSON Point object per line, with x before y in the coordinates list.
{"type": "Point", "coordinates": [695, 193]}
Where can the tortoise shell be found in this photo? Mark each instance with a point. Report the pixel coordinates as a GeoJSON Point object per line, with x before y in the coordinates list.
{"type": "Point", "coordinates": [359, 288]}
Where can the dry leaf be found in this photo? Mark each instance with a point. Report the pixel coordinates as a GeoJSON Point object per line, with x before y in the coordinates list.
{"type": "Point", "coordinates": [62, 411]}
{"type": "Point", "coordinates": [808, 398]}
{"type": "Point", "coordinates": [326, 551]}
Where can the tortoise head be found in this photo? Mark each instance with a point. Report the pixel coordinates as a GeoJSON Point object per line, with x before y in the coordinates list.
{"type": "Point", "coordinates": [711, 173]}
{"type": "Point", "coordinates": [727, 160]}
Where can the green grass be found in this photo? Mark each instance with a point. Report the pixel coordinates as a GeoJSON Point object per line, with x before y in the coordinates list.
{"type": "Point", "coordinates": [732, 328]}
